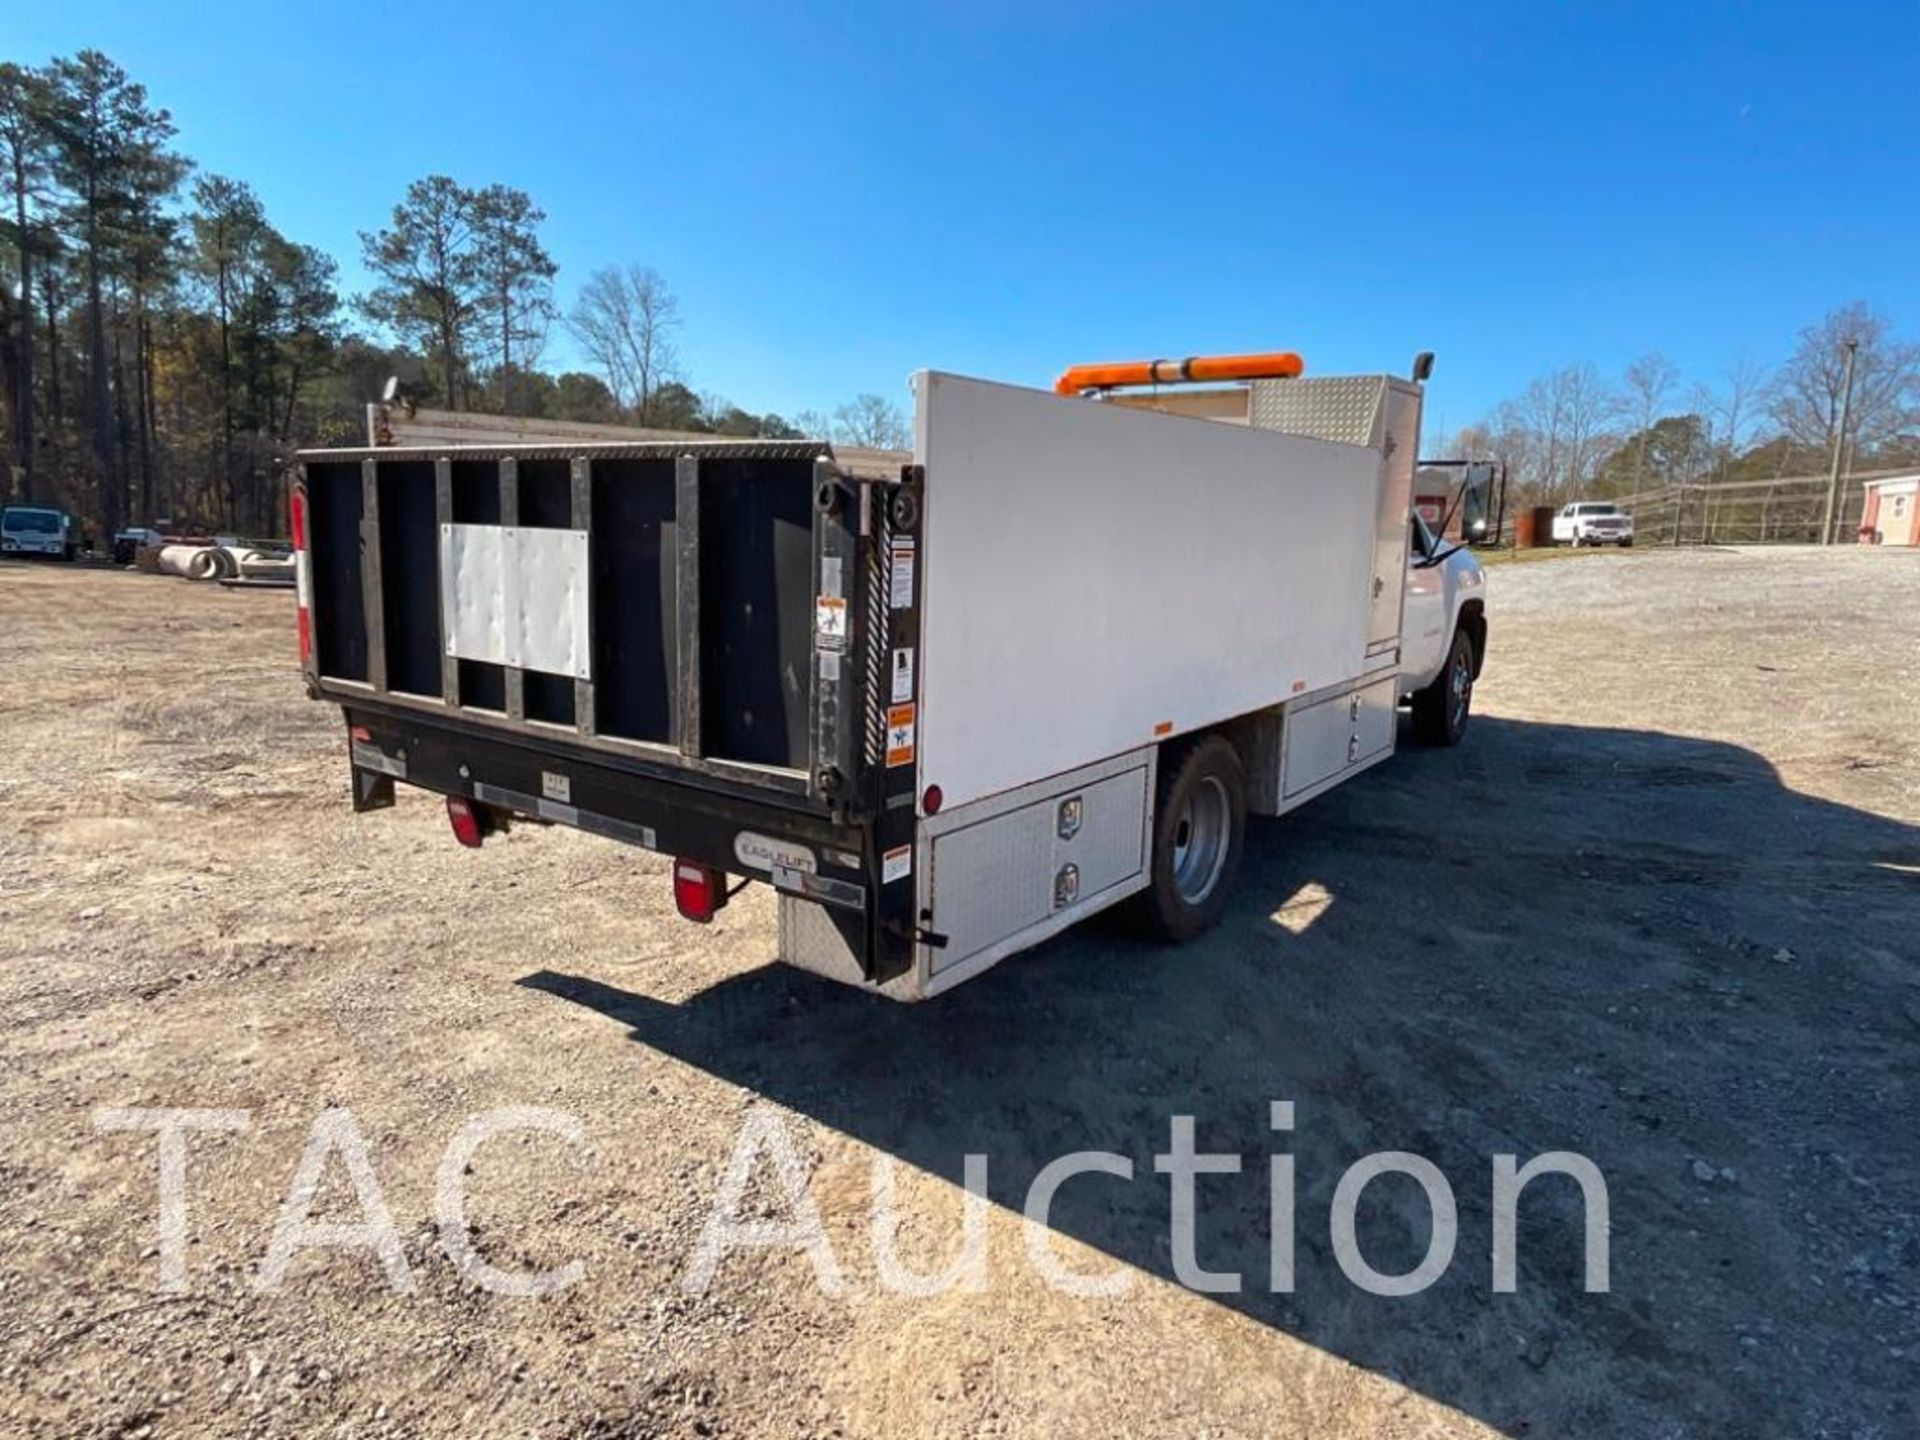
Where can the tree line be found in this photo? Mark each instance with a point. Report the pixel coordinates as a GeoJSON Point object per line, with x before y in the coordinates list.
{"type": "Point", "coordinates": [163, 346]}
{"type": "Point", "coordinates": [1576, 434]}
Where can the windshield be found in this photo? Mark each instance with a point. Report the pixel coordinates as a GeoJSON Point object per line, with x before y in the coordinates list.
{"type": "Point", "coordinates": [1599, 510]}
{"type": "Point", "coordinates": [31, 522]}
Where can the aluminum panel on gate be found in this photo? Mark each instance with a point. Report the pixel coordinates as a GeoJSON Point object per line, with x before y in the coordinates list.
{"type": "Point", "coordinates": [516, 595]}
{"type": "Point", "coordinates": [1096, 577]}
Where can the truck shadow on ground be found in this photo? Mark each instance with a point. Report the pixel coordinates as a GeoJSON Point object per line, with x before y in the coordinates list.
{"type": "Point", "coordinates": [1634, 946]}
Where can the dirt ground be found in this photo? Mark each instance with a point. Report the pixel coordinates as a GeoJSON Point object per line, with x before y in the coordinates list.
{"type": "Point", "coordinates": [1662, 908]}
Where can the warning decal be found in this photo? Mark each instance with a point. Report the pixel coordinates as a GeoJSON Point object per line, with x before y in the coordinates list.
{"type": "Point", "coordinates": [900, 572]}
{"type": "Point", "coordinates": [899, 735]}
{"type": "Point", "coordinates": [902, 674]}
{"type": "Point", "coordinates": [896, 864]}
{"type": "Point", "coordinates": [830, 619]}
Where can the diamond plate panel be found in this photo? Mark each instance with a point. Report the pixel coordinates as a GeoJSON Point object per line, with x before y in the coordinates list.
{"type": "Point", "coordinates": [996, 877]}
{"type": "Point", "coordinates": [1345, 408]}
{"type": "Point", "coordinates": [810, 940]}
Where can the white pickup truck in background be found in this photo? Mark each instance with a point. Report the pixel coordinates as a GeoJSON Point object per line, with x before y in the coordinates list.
{"type": "Point", "coordinates": [1592, 522]}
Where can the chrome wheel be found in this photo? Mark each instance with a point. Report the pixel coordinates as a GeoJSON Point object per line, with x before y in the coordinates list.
{"type": "Point", "coordinates": [1201, 837]}
{"type": "Point", "coordinates": [1459, 687]}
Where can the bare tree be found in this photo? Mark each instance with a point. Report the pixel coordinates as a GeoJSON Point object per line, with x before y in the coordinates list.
{"type": "Point", "coordinates": [1590, 407]}
{"type": "Point", "coordinates": [872, 421]}
{"type": "Point", "coordinates": [624, 318]}
{"type": "Point", "coordinates": [1805, 397]}
{"type": "Point", "coordinates": [1650, 380]}
{"type": "Point", "coordinates": [1732, 409]}
{"type": "Point", "coordinates": [1474, 442]}
{"type": "Point", "coordinates": [1557, 434]}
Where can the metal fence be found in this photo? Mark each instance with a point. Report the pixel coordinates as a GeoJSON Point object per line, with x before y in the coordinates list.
{"type": "Point", "coordinates": [1784, 510]}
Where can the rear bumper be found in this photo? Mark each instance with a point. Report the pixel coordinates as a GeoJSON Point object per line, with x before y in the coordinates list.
{"type": "Point", "coordinates": [798, 851]}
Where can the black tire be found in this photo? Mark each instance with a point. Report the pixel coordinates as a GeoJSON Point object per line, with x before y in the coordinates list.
{"type": "Point", "coordinates": [1199, 832]}
{"type": "Point", "coordinates": [1626, 544]}
{"type": "Point", "coordinates": [1441, 710]}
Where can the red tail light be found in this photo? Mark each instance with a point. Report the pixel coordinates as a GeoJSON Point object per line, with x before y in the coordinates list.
{"type": "Point", "coordinates": [698, 890]}
{"type": "Point", "coordinates": [467, 828]}
{"type": "Point", "coordinates": [302, 575]}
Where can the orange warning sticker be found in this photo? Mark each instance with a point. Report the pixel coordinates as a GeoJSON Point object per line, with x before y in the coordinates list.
{"type": "Point", "coordinates": [900, 735]}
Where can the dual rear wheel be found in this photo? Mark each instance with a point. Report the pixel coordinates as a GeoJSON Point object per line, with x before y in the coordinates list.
{"type": "Point", "coordinates": [1199, 832]}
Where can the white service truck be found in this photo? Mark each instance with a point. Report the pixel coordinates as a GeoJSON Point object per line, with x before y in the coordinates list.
{"type": "Point", "coordinates": [38, 530]}
{"type": "Point", "coordinates": [947, 703]}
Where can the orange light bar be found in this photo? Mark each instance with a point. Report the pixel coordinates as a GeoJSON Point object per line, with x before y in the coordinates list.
{"type": "Point", "coordinates": [1279, 365]}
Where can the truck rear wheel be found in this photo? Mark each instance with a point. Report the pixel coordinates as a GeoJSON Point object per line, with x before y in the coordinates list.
{"type": "Point", "coordinates": [1440, 711]}
{"type": "Point", "coordinates": [1199, 830]}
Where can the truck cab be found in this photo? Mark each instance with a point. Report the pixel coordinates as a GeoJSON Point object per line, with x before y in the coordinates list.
{"type": "Point", "coordinates": [1443, 633]}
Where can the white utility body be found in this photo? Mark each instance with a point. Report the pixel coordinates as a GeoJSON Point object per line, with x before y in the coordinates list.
{"type": "Point", "coordinates": [1103, 584]}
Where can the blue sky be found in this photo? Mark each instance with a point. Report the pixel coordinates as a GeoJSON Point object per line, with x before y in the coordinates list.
{"type": "Point", "coordinates": [840, 195]}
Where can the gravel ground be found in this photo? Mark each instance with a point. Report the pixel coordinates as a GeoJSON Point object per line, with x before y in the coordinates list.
{"type": "Point", "coordinates": [1660, 909]}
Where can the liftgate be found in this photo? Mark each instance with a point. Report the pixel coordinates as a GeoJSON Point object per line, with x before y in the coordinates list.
{"type": "Point", "coordinates": [719, 615]}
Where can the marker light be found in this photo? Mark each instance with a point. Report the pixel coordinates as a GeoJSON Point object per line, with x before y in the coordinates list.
{"type": "Point", "coordinates": [698, 890]}
{"type": "Point", "coordinates": [465, 821]}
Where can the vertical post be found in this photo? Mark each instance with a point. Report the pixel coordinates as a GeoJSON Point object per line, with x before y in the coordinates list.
{"type": "Point", "coordinates": [583, 716]}
{"type": "Point", "coordinates": [686, 529]}
{"type": "Point", "coordinates": [1839, 448]}
{"type": "Point", "coordinates": [370, 574]}
{"type": "Point", "coordinates": [840, 654]}
{"type": "Point", "coordinates": [443, 517]}
{"type": "Point", "coordinates": [516, 687]}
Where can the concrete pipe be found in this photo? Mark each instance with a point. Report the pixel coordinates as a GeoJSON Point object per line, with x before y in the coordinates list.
{"type": "Point", "coordinates": [264, 565]}
{"type": "Point", "coordinates": [189, 561]}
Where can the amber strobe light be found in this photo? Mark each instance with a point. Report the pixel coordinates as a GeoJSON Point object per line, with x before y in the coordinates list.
{"type": "Point", "coordinates": [1195, 369]}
